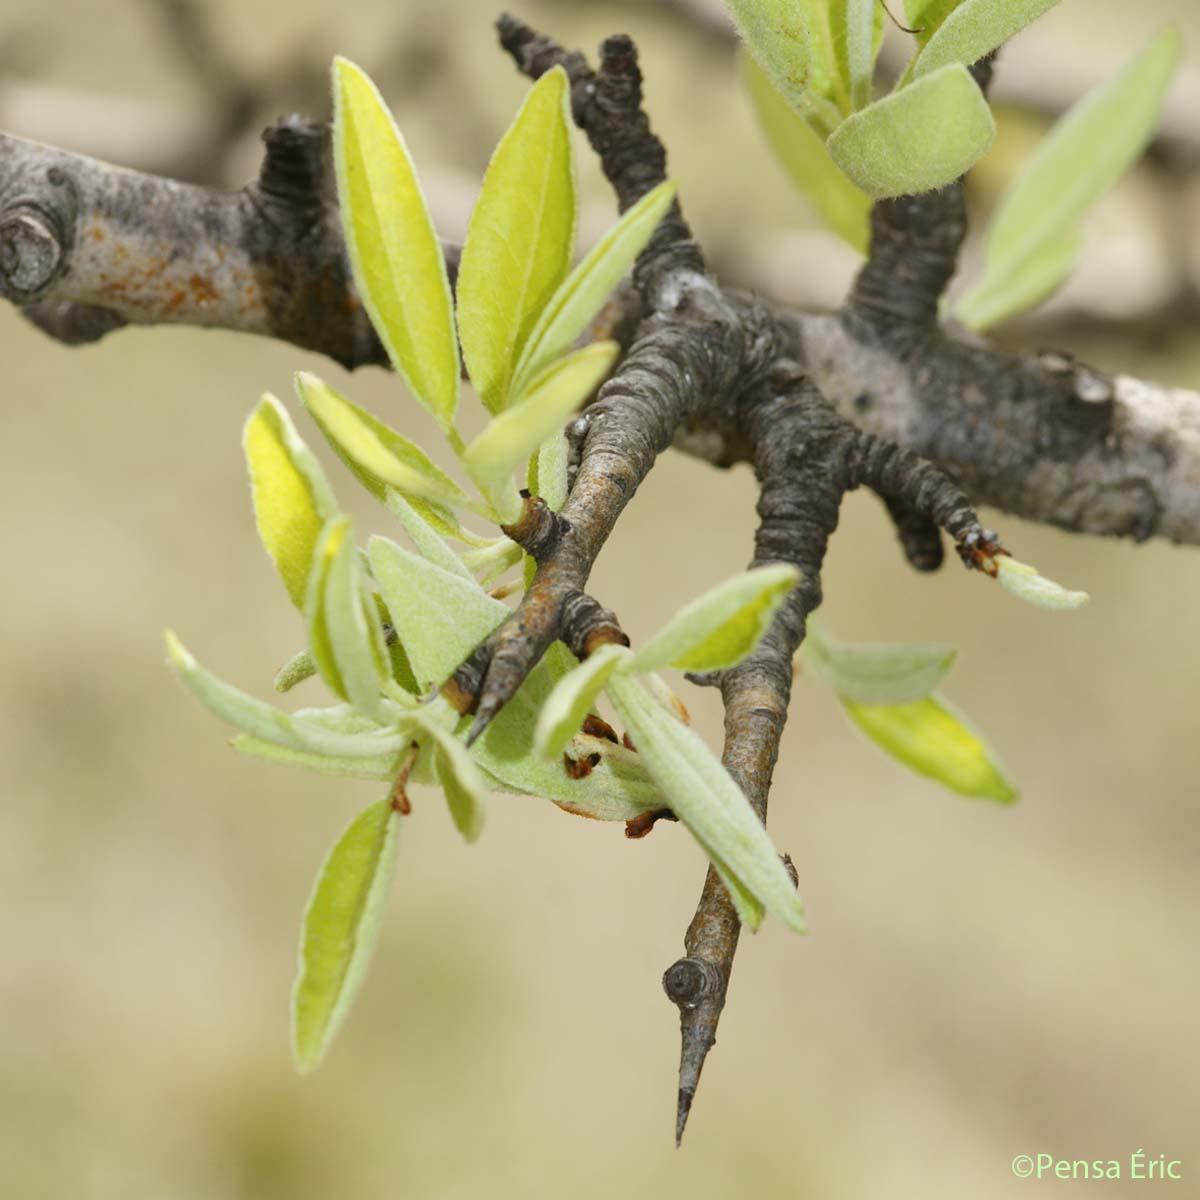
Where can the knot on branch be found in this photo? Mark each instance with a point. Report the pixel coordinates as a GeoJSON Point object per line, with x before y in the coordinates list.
{"type": "Point", "coordinates": [689, 982]}
{"type": "Point", "coordinates": [586, 625]}
{"type": "Point", "coordinates": [37, 232]}
{"type": "Point", "coordinates": [293, 178]}
{"type": "Point", "coordinates": [538, 529]}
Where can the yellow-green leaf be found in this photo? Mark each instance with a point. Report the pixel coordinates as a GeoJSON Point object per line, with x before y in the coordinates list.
{"type": "Point", "coordinates": [320, 641]}
{"type": "Point", "coordinates": [341, 925]}
{"type": "Point", "coordinates": [929, 737]}
{"type": "Point", "coordinates": [1033, 240]}
{"type": "Point", "coordinates": [875, 673]}
{"type": "Point", "coordinates": [1024, 581]}
{"type": "Point", "coordinates": [584, 292]}
{"type": "Point", "coordinates": [719, 628]}
{"type": "Point", "coordinates": [519, 240]}
{"type": "Point", "coordinates": [843, 205]}
{"type": "Point", "coordinates": [380, 457]}
{"type": "Point", "coordinates": [395, 254]}
{"type": "Point", "coordinates": [925, 17]}
{"type": "Point", "coordinates": [922, 137]}
{"type": "Point", "coordinates": [975, 28]}
{"type": "Point", "coordinates": [510, 438]}
{"type": "Point", "coordinates": [292, 498]}
{"type": "Point", "coordinates": [461, 780]}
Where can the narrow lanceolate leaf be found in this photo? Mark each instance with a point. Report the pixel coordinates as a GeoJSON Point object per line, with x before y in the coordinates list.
{"type": "Point", "coordinates": [397, 260]}
{"type": "Point", "coordinates": [377, 455]}
{"type": "Point", "coordinates": [929, 737]}
{"type": "Point", "coordinates": [976, 28]}
{"type": "Point", "coordinates": [548, 471]}
{"type": "Point", "coordinates": [721, 627]}
{"type": "Point", "coordinates": [292, 498]}
{"type": "Point", "coordinates": [583, 293]}
{"type": "Point", "coordinates": [573, 698]}
{"type": "Point", "coordinates": [262, 721]}
{"type": "Point", "coordinates": [440, 617]}
{"type": "Point", "coordinates": [919, 138]}
{"type": "Point", "coordinates": [801, 150]}
{"type": "Point", "coordinates": [462, 781]}
{"type": "Point", "coordinates": [428, 541]}
{"type": "Point", "coordinates": [519, 240]}
{"type": "Point", "coordinates": [381, 766]}
{"type": "Point", "coordinates": [704, 797]}
{"type": "Point", "coordinates": [347, 621]}
{"type": "Point", "coordinates": [925, 17]}
{"type": "Point", "coordinates": [1023, 580]}
{"type": "Point", "coordinates": [295, 671]}
{"type": "Point", "coordinates": [875, 673]}
{"type": "Point", "coordinates": [1033, 240]}
{"type": "Point", "coordinates": [861, 21]}
{"type": "Point", "coordinates": [516, 433]}
{"type": "Point", "coordinates": [320, 642]}
{"type": "Point", "coordinates": [341, 925]}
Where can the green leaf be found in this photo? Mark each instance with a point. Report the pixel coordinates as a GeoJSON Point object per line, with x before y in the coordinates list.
{"type": "Point", "coordinates": [931, 738]}
{"type": "Point", "coordinates": [516, 433]}
{"type": "Point", "coordinates": [377, 455]}
{"type": "Point", "coordinates": [583, 293]}
{"type": "Point", "coordinates": [548, 471]}
{"type": "Point", "coordinates": [398, 264]}
{"type": "Point", "coordinates": [440, 617]}
{"type": "Point", "coordinates": [341, 925]}
{"type": "Point", "coordinates": [1034, 238]}
{"type": "Point", "coordinates": [320, 643]}
{"type": "Point", "coordinates": [292, 498]}
{"type": "Point", "coordinates": [704, 797]}
{"type": "Point", "coordinates": [722, 626]}
{"type": "Point", "coordinates": [461, 779]}
{"type": "Point", "coordinates": [382, 767]}
{"type": "Point", "coordinates": [519, 240]}
{"type": "Point", "coordinates": [1023, 580]}
{"type": "Point", "coordinates": [875, 673]}
{"type": "Point", "coordinates": [976, 28]}
{"type": "Point", "coordinates": [922, 137]}
{"type": "Point", "coordinates": [301, 731]}
{"type": "Point", "coordinates": [295, 671]}
{"type": "Point", "coordinates": [793, 42]}
{"type": "Point", "coordinates": [925, 17]}
{"type": "Point", "coordinates": [572, 699]}
{"type": "Point", "coordinates": [842, 205]}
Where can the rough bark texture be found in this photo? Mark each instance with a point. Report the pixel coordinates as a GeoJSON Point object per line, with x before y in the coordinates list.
{"type": "Point", "coordinates": [878, 395]}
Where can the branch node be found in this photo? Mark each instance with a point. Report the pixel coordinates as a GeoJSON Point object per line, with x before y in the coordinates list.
{"type": "Point", "coordinates": [689, 981]}
{"type": "Point", "coordinates": [586, 625]}
{"type": "Point", "coordinates": [538, 529]}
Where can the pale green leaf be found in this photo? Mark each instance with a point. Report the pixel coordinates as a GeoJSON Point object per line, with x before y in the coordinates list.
{"type": "Point", "coordinates": [875, 673]}
{"type": "Point", "coordinates": [975, 28]}
{"type": "Point", "coordinates": [320, 642]}
{"type": "Point", "coordinates": [704, 797]}
{"type": "Point", "coordinates": [572, 699]}
{"type": "Point", "coordinates": [341, 925]}
{"type": "Point", "coordinates": [292, 498]}
{"type": "Point", "coordinates": [1033, 238]}
{"type": "Point", "coordinates": [395, 254]}
{"type": "Point", "coordinates": [295, 671]}
{"type": "Point", "coordinates": [1023, 580]}
{"type": "Point", "coordinates": [929, 737]}
{"type": "Point", "coordinates": [583, 293]}
{"type": "Point", "coordinates": [378, 456]}
{"type": "Point", "coordinates": [922, 137]}
{"type": "Point", "coordinates": [510, 438]}
{"type": "Point", "coordinates": [302, 731]}
{"type": "Point", "coordinates": [722, 626]}
{"type": "Point", "coordinates": [801, 150]}
{"type": "Point", "coordinates": [925, 17]}
{"type": "Point", "coordinates": [381, 767]}
{"type": "Point", "coordinates": [461, 780]}
{"type": "Point", "coordinates": [863, 18]}
{"type": "Point", "coordinates": [548, 471]}
{"type": "Point", "coordinates": [440, 617]}
{"type": "Point", "coordinates": [519, 240]}
{"type": "Point", "coordinates": [617, 787]}
{"type": "Point", "coordinates": [428, 541]}
{"type": "Point", "coordinates": [797, 57]}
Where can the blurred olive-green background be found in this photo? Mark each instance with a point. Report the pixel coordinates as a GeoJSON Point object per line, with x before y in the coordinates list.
{"type": "Point", "coordinates": [978, 983]}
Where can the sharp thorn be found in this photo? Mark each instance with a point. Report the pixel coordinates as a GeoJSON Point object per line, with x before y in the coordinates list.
{"type": "Point", "coordinates": [681, 1115]}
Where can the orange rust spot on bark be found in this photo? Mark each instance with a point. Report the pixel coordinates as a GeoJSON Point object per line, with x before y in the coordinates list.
{"type": "Point", "coordinates": [580, 768]}
{"type": "Point", "coordinates": [97, 234]}
{"type": "Point", "coordinates": [463, 702]}
{"type": "Point", "coordinates": [641, 825]}
{"type": "Point", "coordinates": [176, 301]}
{"type": "Point", "coordinates": [202, 289]}
{"type": "Point", "coordinates": [596, 726]}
